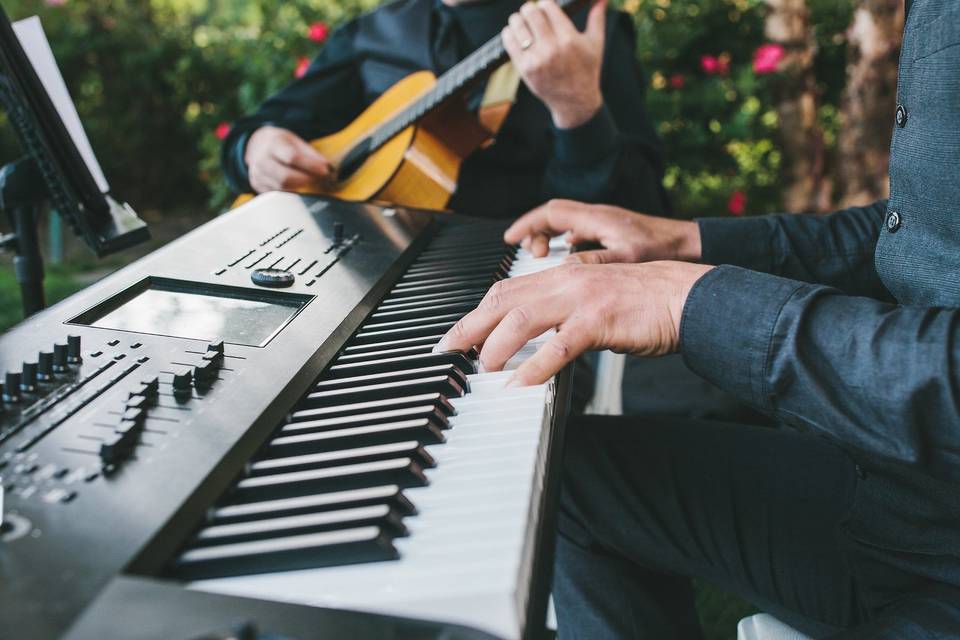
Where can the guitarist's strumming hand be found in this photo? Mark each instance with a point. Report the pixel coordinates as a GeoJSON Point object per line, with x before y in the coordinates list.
{"type": "Point", "coordinates": [279, 160]}
{"type": "Point", "coordinates": [560, 65]}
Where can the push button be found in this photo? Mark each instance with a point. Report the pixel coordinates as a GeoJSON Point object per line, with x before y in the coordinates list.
{"type": "Point", "coordinates": [893, 221]}
{"type": "Point", "coordinates": [902, 116]}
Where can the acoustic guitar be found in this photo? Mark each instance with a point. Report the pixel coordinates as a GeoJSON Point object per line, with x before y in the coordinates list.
{"type": "Point", "coordinates": [407, 147]}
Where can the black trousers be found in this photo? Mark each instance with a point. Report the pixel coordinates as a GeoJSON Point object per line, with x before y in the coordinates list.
{"type": "Point", "coordinates": [764, 513]}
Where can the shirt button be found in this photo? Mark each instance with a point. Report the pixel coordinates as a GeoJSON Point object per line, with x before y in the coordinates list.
{"type": "Point", "coordinates": [901, 116]}
{"type": "Point", "coordinates": [893, 222]}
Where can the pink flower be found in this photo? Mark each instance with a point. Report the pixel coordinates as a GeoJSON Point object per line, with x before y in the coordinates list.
{"type": "Point", "coordinates": [222, 130]}
{"type": "Point", "coordinates": [709, 64]}
{"type": "Point", "coordinates": [715, 65]}
{"type": "Point", "coordinates": [737, 203]}
{"type": "Point", "coordinates": [318, 31]}
{"type": "Point", "coordinates": [302, 65]}
{"type": "Point", "coordinates": [767, 58]}
{"type": "Point", "coordinates": [677, 81]}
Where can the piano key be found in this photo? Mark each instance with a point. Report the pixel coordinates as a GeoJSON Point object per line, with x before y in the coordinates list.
{"type": "Point", "coordinates": [421, 311]}
{"type": "Point", "coordinates": [424, 412]}
{"type": "Point", "coordinates": [463, 362]}
{"type": "Point", "coordinates": [403, 472]}
{"type": "Point", "coordinates": [364, 544]}
{"type": "Point", "coordinates": [381, 516]}
{"type": "Point", "coordinates": [409, 449]}
{"type": "Point", "coordinates": [425, 318]}
{"type": "Point", "coordinates": [452, 288]}
{"type": "Point", "coordinates": [427, 329]}
{"type": "Point", "coordinates": [442, 368]}
{"type": "Point", "coordinates": [436, 400]}
{"type": "Point", "coordinates": [445, 385]}
{"type": "Point", "coordinates": [390, 495]}
{"type": "Point", "coordinates": [421, 350]}
{"type": "Point", "coordinates": [423, 431]}
{"type": "Point", "coordinates": [392, 344]}
{"type": "Point", "coordinates": [420, 301]}
{"type": "Point", "coordinates": [463, 271]}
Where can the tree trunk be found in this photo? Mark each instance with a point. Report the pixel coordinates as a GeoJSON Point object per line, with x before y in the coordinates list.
{"type": "Point", "coordinates": [788, 24]}
{"type": "Point", "coordinates": [869, 100]}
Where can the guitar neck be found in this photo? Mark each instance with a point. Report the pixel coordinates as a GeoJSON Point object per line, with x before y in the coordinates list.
{"type": "Point", "coordinates": [472, 68]}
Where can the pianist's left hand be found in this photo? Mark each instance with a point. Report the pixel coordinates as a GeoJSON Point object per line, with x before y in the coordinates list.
{"type": "Point", "coordinates": [559, 65]}
{"type": "Point", "coordinates": [628, 308]}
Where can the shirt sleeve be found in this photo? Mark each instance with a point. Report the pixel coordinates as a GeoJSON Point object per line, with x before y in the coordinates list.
{"type": "Point", "coordinates": [324, 100]}
{"type": "Point", "coordinates": [878, 378]}
{"type": "Point", "coordinates": [616, 157]}
{"type": "Point", "coordinates": [835, 250]}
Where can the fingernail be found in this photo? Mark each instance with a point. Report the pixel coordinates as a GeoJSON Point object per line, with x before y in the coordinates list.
{"type": "Point", "coordinates": [440, 346]}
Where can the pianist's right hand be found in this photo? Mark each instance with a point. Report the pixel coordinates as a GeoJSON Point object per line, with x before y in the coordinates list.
{"type": "Point", "coordinates": [279, 160]}
{"type": "Point", "coordinates": [625, 236]}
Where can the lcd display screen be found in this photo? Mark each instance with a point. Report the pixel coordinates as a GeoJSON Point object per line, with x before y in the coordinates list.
{"type": "Point", "coordinates": [168, 311]}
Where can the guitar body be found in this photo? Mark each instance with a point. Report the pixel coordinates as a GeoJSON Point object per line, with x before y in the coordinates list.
{"type": "Point", "coordinates": [418, 167]}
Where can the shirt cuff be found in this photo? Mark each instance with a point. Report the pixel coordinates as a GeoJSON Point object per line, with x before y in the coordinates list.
{"type": "Point", "coordinates": [745, 242]}
{"type": "Point", "coordinates": [727, 328]}
{"type": "Point", "coordinates": [588, 144]}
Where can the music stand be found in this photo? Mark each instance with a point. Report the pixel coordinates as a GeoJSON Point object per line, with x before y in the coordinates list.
{"type": "Point", "coordinates": [52, 172]}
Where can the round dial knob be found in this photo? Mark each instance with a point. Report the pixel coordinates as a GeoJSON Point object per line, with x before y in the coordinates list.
{"type": "Point", "coordinates": [272, 278]}
{"type": "Point", "coordinates": [28, 381]}
{"type": "Point", "coordinates": [45, 365]}
{"type": "Point", "coordinates": [11, 386]}
{"type": "Point", "coordinates": [60, 357]}
{"type": "Point", "coordinates": [73, 349]}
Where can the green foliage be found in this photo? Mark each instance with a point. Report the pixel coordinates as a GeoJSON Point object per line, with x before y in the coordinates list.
{"type": "Point", "coordinates": [153, 80]}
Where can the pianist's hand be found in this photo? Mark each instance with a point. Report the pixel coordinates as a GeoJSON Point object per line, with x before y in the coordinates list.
{"type": "Point", "coordinates": [279, 160]}
{"type": "Point", "coordinates": [625, 236]}
{"type": "Point", "coordinates": [627, 308]}
{"type": "Point", "coordinates": [560, 65]}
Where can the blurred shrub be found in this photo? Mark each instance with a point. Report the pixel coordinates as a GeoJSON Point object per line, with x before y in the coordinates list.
{"type": "Point", "coordinates": [157, 83]}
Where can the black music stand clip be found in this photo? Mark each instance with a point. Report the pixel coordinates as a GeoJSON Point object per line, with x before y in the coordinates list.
{"type": "Point", "coordinates": [23, 193]}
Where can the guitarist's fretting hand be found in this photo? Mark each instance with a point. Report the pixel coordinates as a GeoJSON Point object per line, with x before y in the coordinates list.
{"type": "Point", "coordinates": [279, 160]}
{"type": "Point", "coordinates": [560, 65]}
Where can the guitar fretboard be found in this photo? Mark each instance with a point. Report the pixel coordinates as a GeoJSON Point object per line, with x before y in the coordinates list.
{"type": "Point", "coordinates": [450, 83]}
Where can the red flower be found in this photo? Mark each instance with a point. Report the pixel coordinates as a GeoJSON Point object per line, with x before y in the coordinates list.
{"type": "Point", "coordinates": [709, 64]}
{"type": "Point", "coordinates": [318, 32]}
{"type": "Point", "coordinates": [767, 58]}
{"type": "Point", "coordinates": [302, 65]}
{"type": "Point", "coordinates": [222, 130]}
{"type": "Point", "coordinates": [677, 81]}
{"type": "Point", "coordinates": [737, 204]}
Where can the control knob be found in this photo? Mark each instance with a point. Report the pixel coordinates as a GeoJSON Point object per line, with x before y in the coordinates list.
{"type": "Point", "coordinates": [45, 365]}
{"type": "Point", "coordinates": [60, 357]}
{"type": "Point", "coordinates": [28, 381]}
{"type": "Point", "coordinates": [73, 349]}
{"type": "Point", "coordinates": [11, 387]}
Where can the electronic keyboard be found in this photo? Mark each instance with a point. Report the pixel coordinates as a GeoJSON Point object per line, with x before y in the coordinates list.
{"type": "Point", "coordinates": [247, 434]}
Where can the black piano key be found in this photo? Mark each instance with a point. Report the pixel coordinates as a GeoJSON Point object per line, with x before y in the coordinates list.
{"type": "Point", "coordinates": [422, 311]}
{"type": "Point", "coordinates": [350, 546]}
{"type": "Point", "coordinates": [463, 361]}
{"type": "Point", "coordinates": [419, 341]}
{"type": "Point", "coordinates": [423, 431]}
{"type": "Point", "coordinates": [443, 279]}
{"type": "Point", "coordinates": [430, 384]}
{"type": "Point", "coordinates": [398, 333]}
{"type": "Point", "coordinates": [473, 297]}
{"type": "Point", "coordinates": [426, 319]}
{"type": "Point", "coordinates": [401, 373]}
{"type": "Point", "coordinates": [423, 350]}
{"type": "Point", "coordinates": [464, 272]}
{"type": "Point", "coordinates": [451, 288]}
{"type": "Point", "coordinates": [454, 253]}
{"type": "Point", "coordinates": [425, 412]}
{"type": "Point", "coordinates": [374, 516]}
{"type": "Point", "coordinates": [410, 449]}
{"type": "Point", "coordinates": [436, 400]}
{"type": "Point", "coordinates": [390, 495]}
{"type": "Point", "coordinates": [403, 472]}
